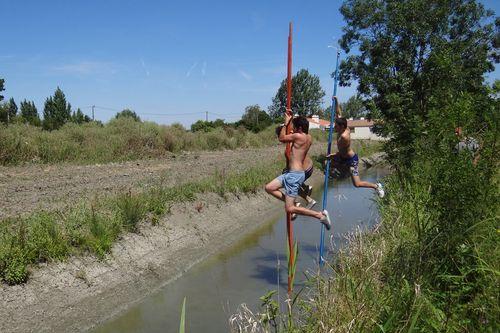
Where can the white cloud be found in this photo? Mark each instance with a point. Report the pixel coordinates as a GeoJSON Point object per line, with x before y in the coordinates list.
{"type": "Point", "coordinates": [193, 66]}
{"type": "Point", "coordinates": [86, 68]}
{"type": "Point", "coordinates": [247, 76]}
{"type": "Point", "coordinates": [204, 69]}
{"type": "Point", "coordinates": [144, 67]}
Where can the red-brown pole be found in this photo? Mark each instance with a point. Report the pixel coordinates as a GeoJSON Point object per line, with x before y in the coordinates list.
{"type": "Point", "coordinates": [289, 225]}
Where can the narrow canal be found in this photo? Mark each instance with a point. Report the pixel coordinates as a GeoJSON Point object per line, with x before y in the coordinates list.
{"type": "Point", "coordinates": [215, 288]}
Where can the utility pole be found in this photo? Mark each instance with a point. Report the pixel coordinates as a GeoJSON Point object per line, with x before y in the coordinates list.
{"type": "Point", "coordinates": [206, 116]}
{"type": "Point", "coordinates": [93, 106]}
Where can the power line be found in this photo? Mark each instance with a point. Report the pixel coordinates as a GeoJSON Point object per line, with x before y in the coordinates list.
{"type": "Point", "coordinates": [206, 113]}
{"type": "Point", "coordinates": [169, 114]}
{"type": "Point", "coordinates": [106, 108]}
{"type": "Point", "coordinates": [226, 114]}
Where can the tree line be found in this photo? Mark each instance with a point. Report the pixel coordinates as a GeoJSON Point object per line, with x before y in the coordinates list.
{"type": "Point", "coordinates": [307, 101]}
{"type": "Point", "coordinates": [57, 112]}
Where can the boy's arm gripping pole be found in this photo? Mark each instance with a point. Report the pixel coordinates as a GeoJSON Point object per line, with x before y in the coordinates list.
{"type": "Point", "coordinates": [329, 149]}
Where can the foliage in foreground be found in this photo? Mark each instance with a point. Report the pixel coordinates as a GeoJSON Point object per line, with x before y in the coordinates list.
{"type": "Point", "coordinates": [416, 57]}
{"type": "Point", "coordinates": [95, 227]}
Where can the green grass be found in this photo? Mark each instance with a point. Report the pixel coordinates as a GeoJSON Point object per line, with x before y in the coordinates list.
{"type": "Point", "coordinates": [120, 140]}
{"type": "Point", "coordinates": [433, 265]}
{"type": "Point", "coordinates": [94, 227]}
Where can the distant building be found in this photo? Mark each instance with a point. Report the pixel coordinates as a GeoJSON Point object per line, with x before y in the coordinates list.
{"type": "Point", "coordinates": [361, 129]}
{"type": "Point", "coordinates": [316, 123]}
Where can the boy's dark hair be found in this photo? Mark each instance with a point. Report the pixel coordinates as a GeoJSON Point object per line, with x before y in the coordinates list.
{"type": "Point", "coordinates": [302, 123]}
{"type": "Point", "coordinates": [341, 122]}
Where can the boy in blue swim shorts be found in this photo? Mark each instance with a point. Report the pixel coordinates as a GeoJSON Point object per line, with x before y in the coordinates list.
{"type": "Point", "coordinates": [345, 157]}
{"type": "Point", "coordinates": [294, 177]}
{"type": "Point", "coordinates": [305, 190]}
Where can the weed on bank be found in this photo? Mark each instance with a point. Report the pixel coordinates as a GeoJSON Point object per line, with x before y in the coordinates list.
{"type": "Point", "coordinates": [95, 227]}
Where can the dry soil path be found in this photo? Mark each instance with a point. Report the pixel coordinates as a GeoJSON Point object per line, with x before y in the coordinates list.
{"type": "Point", "coordinates": [24, 189]}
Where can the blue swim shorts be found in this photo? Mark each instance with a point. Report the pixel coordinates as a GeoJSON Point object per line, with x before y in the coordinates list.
{"type": "Point", "coordinates": [291, 181]}
{"type": "Point", "coordinates": [352, 163]}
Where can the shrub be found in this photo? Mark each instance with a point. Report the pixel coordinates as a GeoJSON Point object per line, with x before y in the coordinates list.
{"type": "Point", "coordinates": [15, 267]}
{"type": "Point", "coordinates": [131, 210]}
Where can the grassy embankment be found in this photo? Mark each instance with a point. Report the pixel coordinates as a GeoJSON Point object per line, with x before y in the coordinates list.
{"type": "Point", "coordinates": [118, 140]}
{"type": "Point", "coordinates": [432, 265]}
{"type": "Point", "coordinates": [121, 139]}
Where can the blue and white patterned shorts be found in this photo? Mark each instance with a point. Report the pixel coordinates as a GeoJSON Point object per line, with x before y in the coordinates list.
{"type": "Point", "coordinates": [291, 181]}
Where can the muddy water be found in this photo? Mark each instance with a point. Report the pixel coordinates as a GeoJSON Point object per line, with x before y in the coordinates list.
{"type": "Point", "coordinates": [249, 269]}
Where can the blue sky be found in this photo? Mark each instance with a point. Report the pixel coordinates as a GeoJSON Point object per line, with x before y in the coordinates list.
{"type": "Point", "coordinates": [181, 58]}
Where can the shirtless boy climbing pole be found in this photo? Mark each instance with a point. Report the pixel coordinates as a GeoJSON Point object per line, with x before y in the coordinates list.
{"type": "Point", "coordinates": [292, 179]}
{"type": "Point", "coordinates": [345, 156]}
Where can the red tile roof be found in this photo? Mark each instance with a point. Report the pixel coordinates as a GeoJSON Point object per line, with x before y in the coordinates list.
{"type": "Point", "coordinates": [320, 122]}
{"type": "Point", "coordinates": [360, 123]}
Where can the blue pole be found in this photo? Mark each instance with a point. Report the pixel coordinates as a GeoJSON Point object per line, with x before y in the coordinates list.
{"type": "Point", "coordinates": [329, 149]}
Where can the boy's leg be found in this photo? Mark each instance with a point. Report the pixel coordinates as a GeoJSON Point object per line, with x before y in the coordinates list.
{"type": "Point", "coordinates": [291, 208]}
{"type": "Point", "coordinates": [303, 191]}
{"type": "Point", "coordinates": [323, 216]}
{"type": "Point", "coordinates": [357, 182]}
{"type": "Point", "coordinates": [273, 188]}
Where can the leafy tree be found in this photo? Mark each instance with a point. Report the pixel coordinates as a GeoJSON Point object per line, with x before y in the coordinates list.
{"type": "Point", "coordinates": [255, 119]}
{"type": "Point", "coordinates": [79, 117]}
{"type": "Point", "coordinates": [11, 110]}
{"type": "Point", "coordinates": [353, 108]}
{"type": "Point", "coordinates": [57, 111]}
{"type": "Point", "coordinates": [128, 113]}
{"type": "Point", "coordinates": [3, 109]}
{"type": "Point", "coordinates": [307, 96]}
{"type": "Point", "coordinates": [415, 56]}
{"type": "Point", "coordinates": [178, 126]}
{"type": "Point", "coordinates": [29, 113]}
{"type": "Point", "coordinates": [420, 66]}
{"type": "Point", "coordinates": [2, 81]}
{"type": "Point", "coordinates": [207, 126]}
{"type": "Point", "coordinates": [4, 112]}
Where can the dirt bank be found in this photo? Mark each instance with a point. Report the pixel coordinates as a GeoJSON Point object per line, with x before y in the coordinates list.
{"type": "Point", "coordinates": [28, 188]}
{"type": "Point", "coordinates": [78, 294]}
